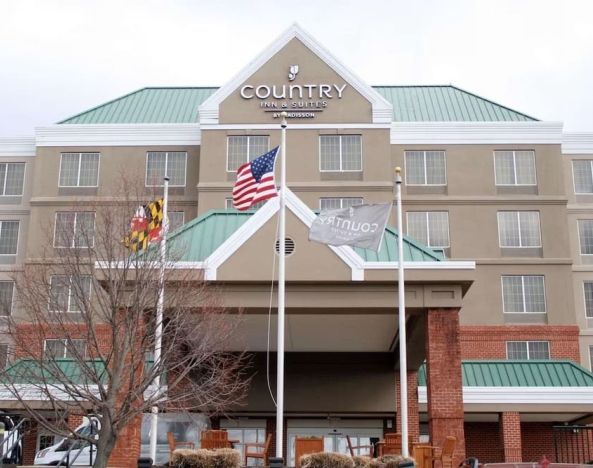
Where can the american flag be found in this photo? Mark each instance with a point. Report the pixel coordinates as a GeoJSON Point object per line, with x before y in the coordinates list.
{"type": "Point", "coordinates": [255, 181]}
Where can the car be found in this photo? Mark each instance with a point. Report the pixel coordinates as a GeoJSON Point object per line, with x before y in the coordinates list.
{"type": "Point", "coordinates": [72, 451]}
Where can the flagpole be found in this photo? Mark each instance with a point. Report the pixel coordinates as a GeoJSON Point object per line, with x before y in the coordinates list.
{"type": "Point", "coordinates": [403, 371]}
{"type": "Point", "coordinates": [158, 332]}
{"type": "Point", "coordinates": [281, 295]}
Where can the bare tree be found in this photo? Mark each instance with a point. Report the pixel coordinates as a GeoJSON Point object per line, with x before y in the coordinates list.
{"type": "Point", "coordinates": [96, 300]}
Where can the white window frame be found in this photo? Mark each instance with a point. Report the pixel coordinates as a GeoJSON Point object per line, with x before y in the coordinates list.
{"type": "Point", "coordinates": [521, 246]}
{"type": "Point", "coordinates": [585, 282]}
{"type": "Point", "coordinates": [18, 236]}
{"type": "Point", "coordinates": [574, 185]}
{"type": "Point", "coordinates": [579, 237]}
{"type": "Point", "coordinates": [341, 199]}
{"type": "Point", "coordinates": [79, 165]}
{"type": "Point", "coordinates": [74, 231]}
{"type": "Point", "coordinates": [3, 194]}
{"type": "Point", "coordinates": [545, 311]}
{"type": "Point", "coordinates": [425, 184]}
{"type": "Point", "coordinates": [68, 311]}
{"type": "Point", "coordinates": [233, 171]}
{"type": "Point", "coordinates": [515, 169]}
{"type": "Point", "coordinates": [146, 184]}
{"type": "Point", "coordinates": [527, 347]}
{"type": "Point", "coordinates": [426, 213]}
{"type": "Point", "coordinates": [11, 299]}
{"type": "Point", "coordinates": [65, 343]}
{"type": "Point", "coordinates": [341, 161]}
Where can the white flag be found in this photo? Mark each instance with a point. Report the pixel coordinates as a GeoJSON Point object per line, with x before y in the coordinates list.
{"type": "Point", "coordinates": [358, 226]}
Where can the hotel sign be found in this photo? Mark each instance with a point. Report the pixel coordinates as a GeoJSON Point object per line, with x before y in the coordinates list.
{"type": "Point", "coordinates": [300, 101]}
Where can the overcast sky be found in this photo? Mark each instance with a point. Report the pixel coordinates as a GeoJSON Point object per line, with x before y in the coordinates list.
{"type": "Point", "coordinates": [60, 57]}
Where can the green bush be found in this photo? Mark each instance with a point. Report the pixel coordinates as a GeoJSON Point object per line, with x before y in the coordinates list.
{"type": "Point", "coordinates": [202, 458]}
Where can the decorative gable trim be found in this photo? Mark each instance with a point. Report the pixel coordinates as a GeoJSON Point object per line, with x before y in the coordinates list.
{"type": "Point", "coordinates": [382, 110]}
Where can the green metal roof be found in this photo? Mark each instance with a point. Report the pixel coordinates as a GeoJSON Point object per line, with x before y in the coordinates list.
{"type": "Point", "coordinates": [445, 104]}
{"type": "Point", "coordinates": [147, 105]}
{"type": "Point", "coordinates": [29, 371]}
{"type": "Point", "coordinates": [413, 251]}
{"type": "Point", "coordinates": [533, 373]}
{"type": "Point", "coordinates": [198, 239]}
{"type": "Point", "coordinates": [410, 104]}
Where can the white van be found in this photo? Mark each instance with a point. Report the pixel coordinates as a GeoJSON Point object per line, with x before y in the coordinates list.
{"type": "Point", "coordinates": [80, 452]}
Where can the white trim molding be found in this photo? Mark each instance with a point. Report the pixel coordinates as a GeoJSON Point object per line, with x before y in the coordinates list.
{"type": "Point", "coordinates": [382, 110]}
{"type": "Point", "coordinates": [468, 133]}
{"type": "Point", "coordinates": [118, 135]}
{"type": "Point", "coordinates": [522, 395]}
{"type": "Point", "coordinates": [17, 146]}
{"type": "Point", "coordinates": [577, 143]}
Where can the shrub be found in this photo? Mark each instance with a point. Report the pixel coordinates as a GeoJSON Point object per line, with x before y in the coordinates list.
{"type": "Point", "coordinates": [387, 461]}
{"type": "Point", "coordinates": [360, 461]}
{"type": "Point", "coordinates": [202, 458]}
{"type": "Point", "coordinates": [326, 460]}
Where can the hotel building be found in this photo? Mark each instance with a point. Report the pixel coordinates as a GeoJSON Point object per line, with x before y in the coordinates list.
{"type": "Point", "coordinates": [498, 218]}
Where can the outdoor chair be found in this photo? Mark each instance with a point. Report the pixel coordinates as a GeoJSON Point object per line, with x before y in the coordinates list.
{"type": "Point", "coordinates": [352, 448]}
{"type": "Point", "coordinates": [305, 446]}
{"type": "Point", "coordinates": [392, 445]}
{"type": "Point", "coordinates": [214, 439]}
{"type": "Point", "coordinates": [442, 454]}
{"type": "Point", "coordinates": [259, 454]}
{"type": "Point", "coordinates": [174, 445]}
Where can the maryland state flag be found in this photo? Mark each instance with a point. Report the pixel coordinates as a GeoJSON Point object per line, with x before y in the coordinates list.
{"type": "Point", "coordinates": [146, 226]}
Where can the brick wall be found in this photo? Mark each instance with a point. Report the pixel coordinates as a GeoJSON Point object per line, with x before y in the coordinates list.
{"type": "Point", "coordinates": [30, 444]}
{"type": "Point", "coordinates": [489, 342]}
{"type": "Point", "coordinates": [443, 371]}
{"type": "Point", "coordinates": [510, 436]}
{"type": "Point", "coordinates": [537, 440]}
{"type": "Point", "coordinates": [482, 441]}
{"type": "Point", "coordinates": [413, 413]}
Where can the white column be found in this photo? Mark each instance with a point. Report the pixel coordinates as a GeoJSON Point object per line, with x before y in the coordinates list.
{"type": "Point", "coordinates": [401, 293]}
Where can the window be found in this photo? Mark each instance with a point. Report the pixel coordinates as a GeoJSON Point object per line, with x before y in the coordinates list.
{"type": "Point", "coordinates": [79, 170]}
{"type": "Point", "coordinates": [582, 174]}
{"type": "Point", "coordinates": [337, 203]}
{"type": "Point", "coordinates": [6, 297]}
{"type": "Point", "coordinates": [175, 219]}
{"type": "Point", "coordinates": [228, 204]}
{"type": "Point", "coordinates": [591, 357]}
{"type": "Point", "coordinates": [340, 153]}
{"type": "Point", "coordinates": [514, 167]}
{"type": "Point", "coordinates": [243, 148]}
{"type": "Point", "coordinates": [74, 229]}
{"type": "Point", "coordinates": [425, 168]}
{"type": "Point", "coordinates": [67, 293]}
{"type": "Point", "coordinates": [586, 236]}
{"type": "Point", "coordinates": [588, 288]}
{"type": "Point", "coordinates": [523, 294]}
{"type": "Point", "coordinates": [519, 229]}
{"type": "Point", "coordinates": [12, 176]}
{"type": "Point", "coordinates": [160, 164]}
{"type": "Point", "coordinates": [528, 350]}
{"type": "Point", "coordinates": [430, 228]}
{"type": "Point", "coordinates": [9, 237]}
{"type": "Point", "coordinates": [66, 348]}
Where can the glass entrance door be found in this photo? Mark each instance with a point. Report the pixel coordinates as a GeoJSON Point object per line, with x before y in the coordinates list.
{"type": "Point", "coordinates": [334, 434]}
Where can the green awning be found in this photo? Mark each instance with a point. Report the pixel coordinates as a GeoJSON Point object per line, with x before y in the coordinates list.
{"type": "Point", "coordinates": [531, 373]}
{"type": "Point", "coordinates": [29, 371]}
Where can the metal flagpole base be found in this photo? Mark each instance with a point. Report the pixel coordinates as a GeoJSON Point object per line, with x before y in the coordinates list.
{"type": "Point", "coordinates": [276, 462]}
